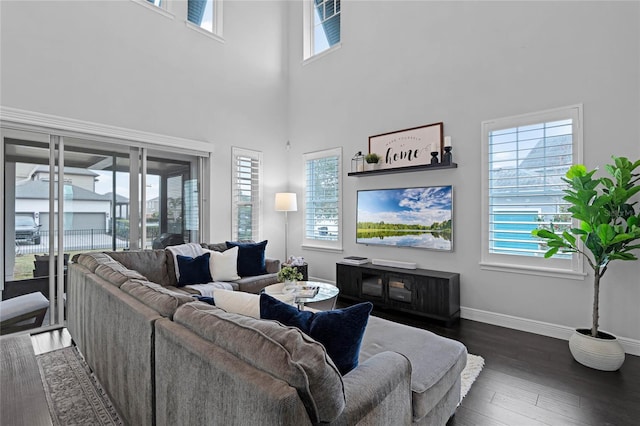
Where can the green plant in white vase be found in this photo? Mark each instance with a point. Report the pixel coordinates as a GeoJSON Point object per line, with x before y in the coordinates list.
{"type": "Point", "coordinates": [609, 229]}
{"type": "Point", "coordinates": [289, 275]}
{"type": "Point", "coordinates": [372, 160]}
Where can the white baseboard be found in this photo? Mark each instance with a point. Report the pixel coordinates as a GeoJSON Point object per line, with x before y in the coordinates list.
{"type": "Point", "coordinates": [631, 346]}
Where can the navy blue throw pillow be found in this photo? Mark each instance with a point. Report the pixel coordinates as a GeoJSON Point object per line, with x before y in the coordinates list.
{"type": "Point", "coordinates": [194, 270]}
{"type": "Point", "coordinates": [251, 260]}
{"type": "Point", "coordinates": [340, 331]}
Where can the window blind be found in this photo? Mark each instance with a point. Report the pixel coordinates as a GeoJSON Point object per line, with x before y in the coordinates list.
{"type": "Point", "coordinates": [246, 195]}
{"type": "Point", "coordinates": [322, 198]}
{"type": "Point", "coordinates": [526, 167]}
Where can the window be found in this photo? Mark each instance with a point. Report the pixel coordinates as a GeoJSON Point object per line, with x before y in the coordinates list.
{"type": "Point", "coordinates": [321, 26]}
{"type": "Point", "coordinates": [246, 194]}
{"type": "Point", "coordinates": [322, 199]}
{"type": "Point", "coordinates": [524, 161]}
{"type": "Point", "coordinates": [206, 15]}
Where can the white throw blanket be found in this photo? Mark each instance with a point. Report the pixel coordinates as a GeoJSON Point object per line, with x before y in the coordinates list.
{"type": "Point", "coordinates": [207, 289]}
{"type": "Point", "coordinates": [190, 249]}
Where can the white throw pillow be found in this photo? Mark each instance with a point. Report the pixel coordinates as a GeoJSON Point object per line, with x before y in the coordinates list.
{"type": "Point", "coordinates": [237, 302]}
{"type": "Point", "coordinates": [224, 265]}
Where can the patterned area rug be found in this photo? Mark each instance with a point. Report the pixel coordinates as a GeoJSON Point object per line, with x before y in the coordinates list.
{"type": "Point", "coordinates": [74, 395]}
{"type": "Point", "coordinates": [470, 373]}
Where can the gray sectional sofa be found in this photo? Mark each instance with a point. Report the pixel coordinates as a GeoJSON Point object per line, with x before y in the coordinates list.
{"type": "Point", "coordinates": [167, 359]}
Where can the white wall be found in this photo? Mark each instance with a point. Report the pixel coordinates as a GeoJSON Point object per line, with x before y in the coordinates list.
{"type": "Point", "coordinates": [402, 64]}
{"type": "Point", "coordinates": [406, 64]}
{"type": "Point", "coordinates": [120, 63]}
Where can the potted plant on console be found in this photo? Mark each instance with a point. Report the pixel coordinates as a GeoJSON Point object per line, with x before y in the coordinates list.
{"type": "Point", "coordinates": [609, 230]}
{"type": "Point", "coordinates": [372, 160]}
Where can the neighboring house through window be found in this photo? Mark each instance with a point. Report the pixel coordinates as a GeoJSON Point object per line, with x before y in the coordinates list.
{"type": "Point", "coordinates": [322, 199]}
{"type": "Point", "coordinates": [321, 25]}
{"type": "Point", "coordinates": [246, 194]}
{"type": "Point", "coordinates": [524, 160]}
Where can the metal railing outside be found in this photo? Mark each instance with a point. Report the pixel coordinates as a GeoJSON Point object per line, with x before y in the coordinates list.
{"type": "Point", "coordinates": [83, 240]}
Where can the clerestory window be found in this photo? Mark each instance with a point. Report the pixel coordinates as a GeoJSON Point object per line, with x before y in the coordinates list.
{"type": "Point", "coordinates": [321, 26]}
{"type": "Point", "coordinates": [205, 15]}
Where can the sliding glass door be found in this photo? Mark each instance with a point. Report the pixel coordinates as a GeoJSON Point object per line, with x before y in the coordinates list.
{"type": "Point", "coordinates": [67, 195]}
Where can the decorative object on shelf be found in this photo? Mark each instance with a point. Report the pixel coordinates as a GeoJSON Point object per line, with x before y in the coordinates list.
{"type": "Point", "coordinates": [609, 230]}
{"type": "Point", "coordinates": [357, 162]}
{"type": "Point", "coordinates": [447, 157]}
{"type": "Point", "coordinates": [434, 157]}
{"type": "Point", "coordinates": [286, 202]}
{"type": "Point", "coordinates": [409, 147]}
{"type": "Point", "coordinates": [289, 275]}
{"type": "Point", "coordinates": [372, 160]}
{"type": "Point", "coordinates": [420, 217]}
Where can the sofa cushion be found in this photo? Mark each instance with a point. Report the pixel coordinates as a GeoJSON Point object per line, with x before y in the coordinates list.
{"type": "Point", "coordinates": [284, 352]}
{"type": "Point", "coordinates": [194, 270]}
{"type": "Point", "coordinates": [431, 378]}
{"type": "Point", "coordinates": [150, 263]}
{"type": "Point", "coordinates": [237, 302]}
{"type": "Point", "coordinates": [92, 260]}
{"type": "Point", "coordinates": [251, 258]}
{"type": "Point", "coordinates": [224, 265]}
{"type": "Point", "coordinates": [155, 296]}
{"type": "Point", "coordinates": [339, 330]}
{"type": "Point", "coordinates": [116, 273]}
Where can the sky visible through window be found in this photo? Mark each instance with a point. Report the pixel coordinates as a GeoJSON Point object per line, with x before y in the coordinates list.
{"type": "Point", "coordinates": [319, 37]}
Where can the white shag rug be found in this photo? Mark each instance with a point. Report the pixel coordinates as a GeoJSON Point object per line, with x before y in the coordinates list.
{"type": "Point", "coordinates": [470, 373]}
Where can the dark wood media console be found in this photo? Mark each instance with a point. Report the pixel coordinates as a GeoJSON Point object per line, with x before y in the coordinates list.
{"type": "Point", "coordinates": [432, 294]}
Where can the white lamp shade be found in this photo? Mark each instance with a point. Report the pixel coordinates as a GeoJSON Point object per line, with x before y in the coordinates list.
{"type": "Point", "coordinates": [286, 202]}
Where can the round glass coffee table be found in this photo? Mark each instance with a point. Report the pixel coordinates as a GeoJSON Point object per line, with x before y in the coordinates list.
{"type": "Point", "coordinates": [324, 299]}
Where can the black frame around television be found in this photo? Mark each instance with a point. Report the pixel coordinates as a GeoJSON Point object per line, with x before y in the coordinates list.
{"type": "Point", "coordinates": [418, 217]}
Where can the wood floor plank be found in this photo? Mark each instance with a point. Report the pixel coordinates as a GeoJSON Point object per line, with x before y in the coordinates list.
{"type": "Point", "coordinates": [534, 412]}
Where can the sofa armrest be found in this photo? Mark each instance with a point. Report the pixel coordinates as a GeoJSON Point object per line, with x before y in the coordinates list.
{"type": "Point", "coordinates": [378, 391]}
{"type": "Point", "coordinates": [272, 265]}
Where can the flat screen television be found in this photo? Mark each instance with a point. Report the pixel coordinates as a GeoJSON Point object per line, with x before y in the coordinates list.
{"type": "Point", "coordinates": [419, 217]}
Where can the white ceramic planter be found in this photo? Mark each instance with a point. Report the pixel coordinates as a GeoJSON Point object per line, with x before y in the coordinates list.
{"type": "Point", "coordinates": [597, 353]}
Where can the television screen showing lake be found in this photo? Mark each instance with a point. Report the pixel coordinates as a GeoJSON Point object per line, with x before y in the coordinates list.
{"type": "Point", "coordinates": [406, 217]}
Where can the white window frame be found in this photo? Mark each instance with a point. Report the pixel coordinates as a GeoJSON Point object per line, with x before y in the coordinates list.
{"type": "Point", "coordinates": [257, 208]}
{"type": "Point", "coordinates": [565, 268]}
{"type": "Point", "coordinates": [312, 243]}
{"type": "Point", "coordinates": [308, 33]}
{"type": "Point", "coordinates": [217, 30]}
{"type": "Point", "coordinates": [162, 9]}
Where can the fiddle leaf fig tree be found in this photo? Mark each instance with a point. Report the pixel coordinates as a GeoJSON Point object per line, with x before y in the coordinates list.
{"type": "Point", "coordinates": [609, 224]}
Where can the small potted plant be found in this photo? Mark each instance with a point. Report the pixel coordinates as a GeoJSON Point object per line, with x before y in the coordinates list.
{"type": "Point", "coordinates": [289, 276]}
{"type": "Point", "coordinates": [372, 160]}
{"type": "Point", "coordinates": [609, 229]}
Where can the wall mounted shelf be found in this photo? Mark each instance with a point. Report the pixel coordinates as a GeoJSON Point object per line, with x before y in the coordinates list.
{"type": "Point", "coordinates": [438, 166]}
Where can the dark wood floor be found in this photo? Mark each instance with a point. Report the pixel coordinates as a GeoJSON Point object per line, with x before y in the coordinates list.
{"type": "Point", "coordinates": [533, 380]}
{"type": "Point", "coordinates": [527, 379]}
